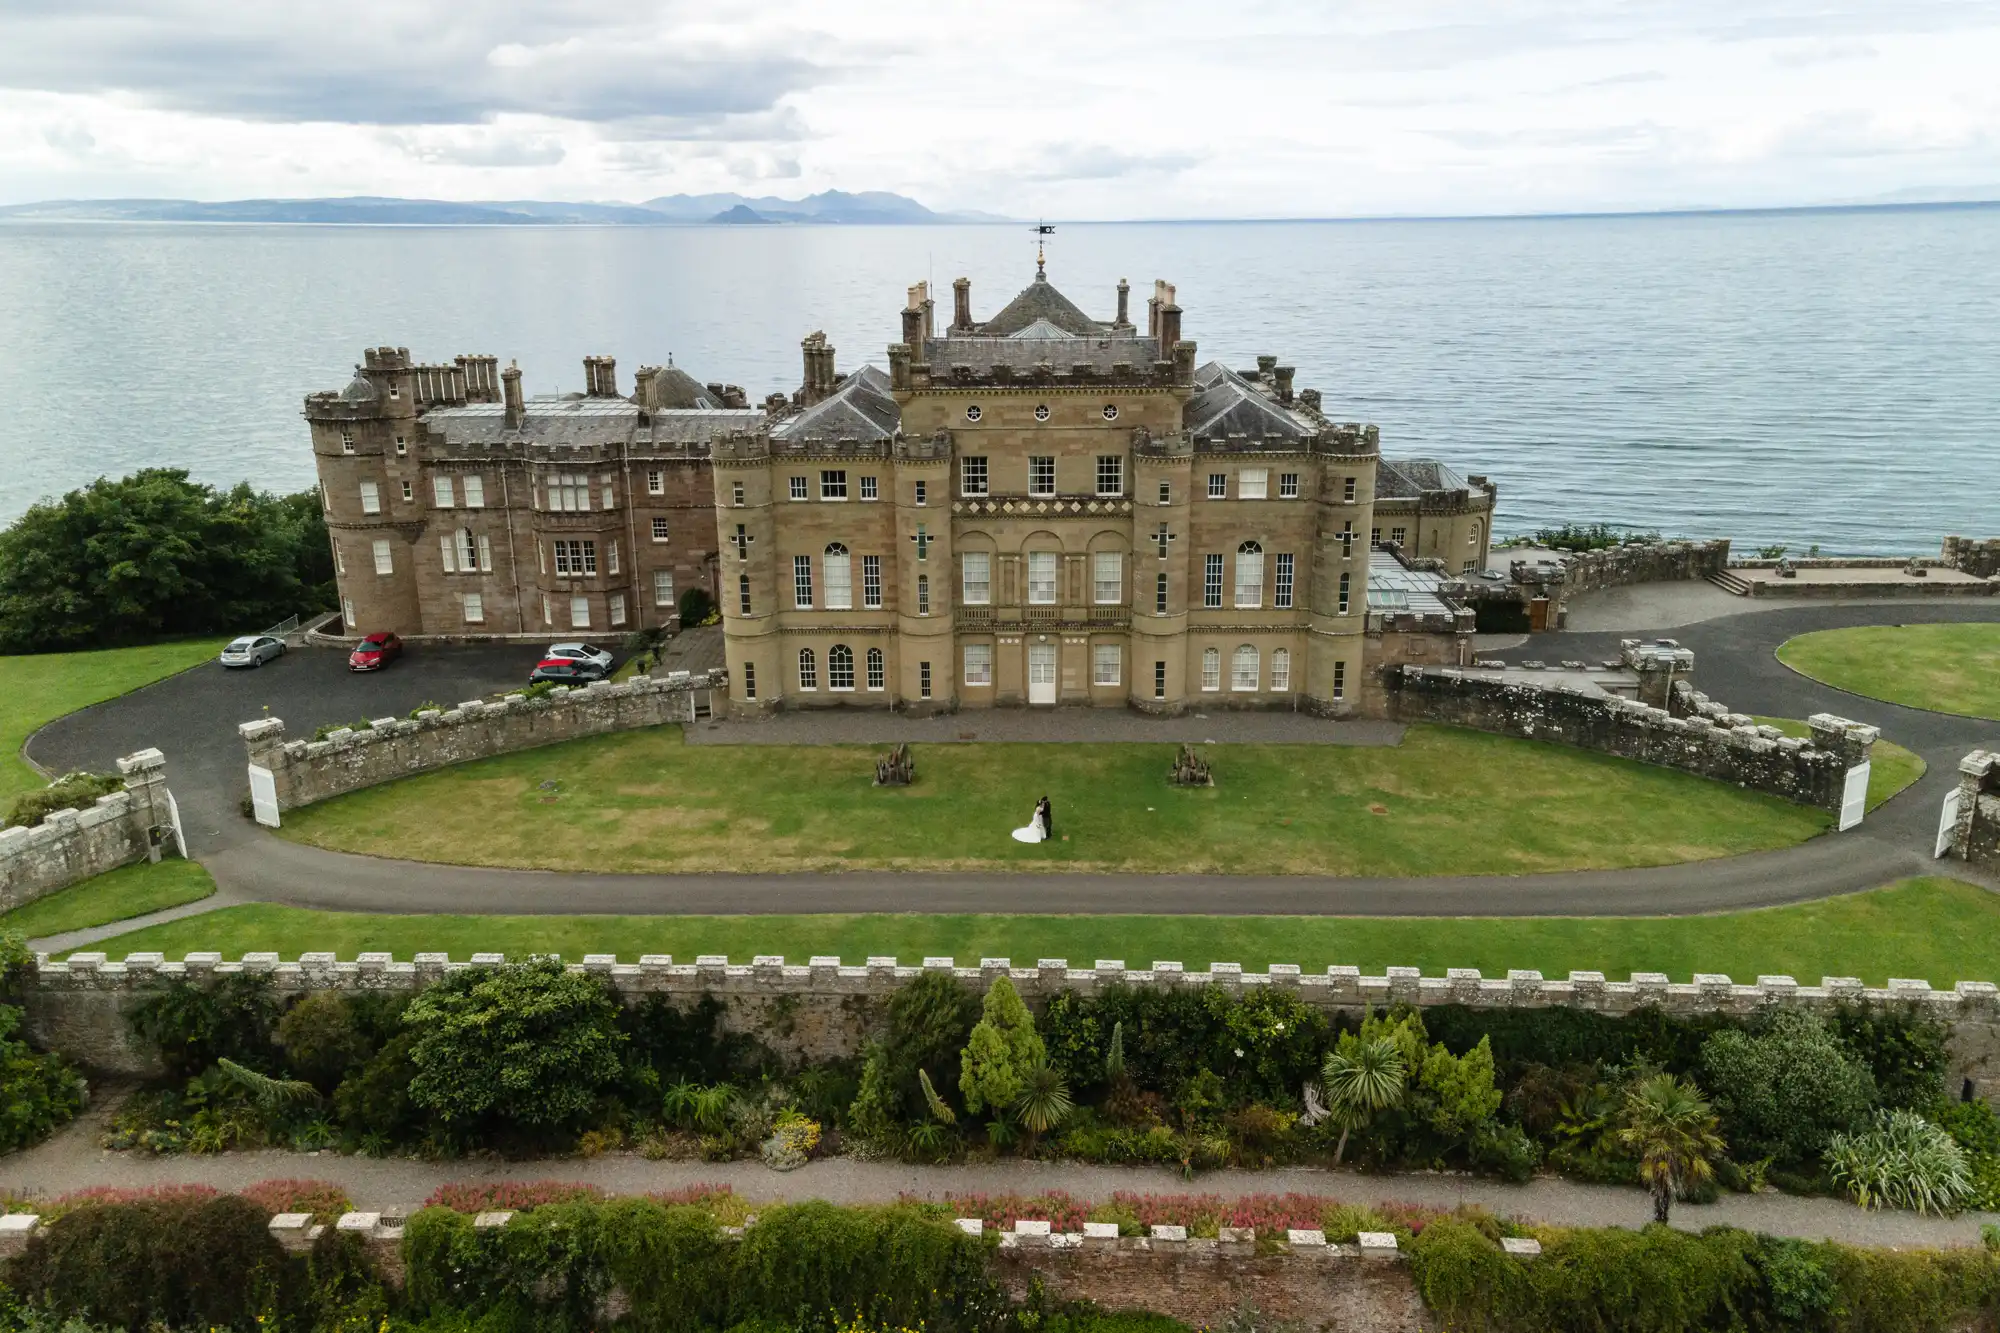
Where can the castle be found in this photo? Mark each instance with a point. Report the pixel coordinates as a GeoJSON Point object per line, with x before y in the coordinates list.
{"type": "Point", "coordinates": [1038, 508]}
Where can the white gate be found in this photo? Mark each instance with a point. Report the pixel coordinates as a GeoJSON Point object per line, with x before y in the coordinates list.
{"type": "Point", "coordinates": [264, 796]}
{"type": "Point", "coordinates": [1947, 823]}
{"type": "Point", "coordinates": [1041, 673]}
{"type": "Point", "coordinates": [180, 838]}
{"type": "Point", "coordinates": [1854, 800]}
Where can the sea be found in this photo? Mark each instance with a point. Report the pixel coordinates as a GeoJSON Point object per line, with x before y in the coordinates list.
{"type": "Point", "coordinates": [1825, 378]}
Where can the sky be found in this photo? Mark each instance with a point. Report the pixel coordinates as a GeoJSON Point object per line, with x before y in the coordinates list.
{"type": "Point", "coordinates": [1109, 109]}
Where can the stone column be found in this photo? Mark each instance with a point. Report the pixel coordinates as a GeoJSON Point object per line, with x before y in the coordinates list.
{"type": "Point", "coordinates": [1975, 838]}
{"type": "Point", "coordinates": [145, 775]}
{"type": "Point", "coordinates": [1854, 742]}
{"type": "Point", "coordinates": [1658, 665]}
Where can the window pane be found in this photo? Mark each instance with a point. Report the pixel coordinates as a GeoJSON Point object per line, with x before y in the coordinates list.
{"type": "Point", "coordinates": [978, 664]}
{"type": "Point", "coordinates": [808, 670]}
{"type": "Point", "coordinates": [1281, 668]}
{"type": "Point", "coordinates": [1211, 668]}
{"type": "Point", "coordinates": [839, 579]}
{"type": "Point", "coordinates": [371, 498]}
{"type": "Point", "coordinates": [1250, 575]}
{"type": "Point", "coordinates": [1042, 578]}
{"type": "Point", "coordinates": [441, 488]}
{"type": "Point", "coordinates": [972, 476]}
{"type": "Point", "coordinates": [1041, 475]}
{"type": "Point", "coordinates": [617, 608]}
{"type": "Point", "coordinates": [802, 582]}
{"type": "Point", "coordinates": [1282, 595]}
{"type": "Point", "coordinates": [871, 581]}
{"type": "Point", "coordinates": [1105, 664]}
{"type": "Point", "coordinates": [1252, 483]}
{"type": "Point", "coordinates": [876, 678]}
{"type": "Point", "coordinates": [1107, 577]}
{"type": "Point", "coordinates": [1110, 474]}
{"type": "Point", "coordinates": [384, 562]}
{"type": "Point", "coordinates": [978, 573]}
{"type": "Point", "coordinates": [663, 587]}
{"type": "Point", "coordinates": [1211, 581]}
{"type": "Point", "coordinates": [475, 493]}
{"type": "Point", "coordinates": [1243, 669]}
{"type": "Point", "coordinates": [475, 608]}
{"type": "Point", "coordinates": [579, 612]}
{"type": "Point", "coordinates": [840, 667]}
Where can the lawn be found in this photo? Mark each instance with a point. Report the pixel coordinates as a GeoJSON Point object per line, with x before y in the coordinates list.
{"type": "Point", "coordinates": [1946, 668]}
{"type": "Point", "coordinates": [1444, 802]}
{"type": "Point", "coordinates": [41, 687]}
{"type": "Point", "coordinates": [1939, 929]}
{"type": "Point", "coordinates": [1890, 767]}
{"type": "Point", "coordinates": [113, 896]}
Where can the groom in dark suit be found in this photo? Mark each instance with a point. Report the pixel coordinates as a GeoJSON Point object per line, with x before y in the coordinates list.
{"type": "Point", "coordinates": [1048, 820]}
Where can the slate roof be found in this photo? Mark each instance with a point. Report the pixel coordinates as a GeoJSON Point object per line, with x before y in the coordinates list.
{"type": "Point", "coordinates": [1039, 300]}
{"type": "Point", "coordinates": [677, 388]}
{"type": "Point", "coordinates": [1099, 351]}
{"type": "Point", "coordinates": [1227, 404]}
{"type": "Point", "coordinates": [862, 408]}
{"type": "Point", "coordinates": [1409, 478]}
{"type": "Point", "coordinates": [577, 420]}
{"type": "Point", "coordinates": [1041, 328]}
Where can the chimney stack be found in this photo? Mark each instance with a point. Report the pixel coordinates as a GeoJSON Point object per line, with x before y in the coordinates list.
{"type": "Point", "coordinates": [1124, 302]}
{"type": "Point", "coordinates": [961, 305]}
{"type": "Point", "coordinates": [818, 369]}
{"type": "Point", "coordinates": [913, 324]}
{"type": "Point", "coordinates": [600, 377]}
{"type": "Point", "coordinates": [1170, 327]}
{"type": "Point", "coordinates": [510, 384]}
{"type": "Point", "coordinates": [646, 388]}
{"type": "Point", "coordinates": [1283, 375]}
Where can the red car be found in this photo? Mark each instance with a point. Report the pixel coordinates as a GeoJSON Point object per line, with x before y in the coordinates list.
{"type": "Point", "coordinates": [375, 652]}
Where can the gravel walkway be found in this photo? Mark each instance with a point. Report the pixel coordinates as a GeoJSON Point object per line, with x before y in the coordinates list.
{"type": "Point", "coordinates": [71, 1160]}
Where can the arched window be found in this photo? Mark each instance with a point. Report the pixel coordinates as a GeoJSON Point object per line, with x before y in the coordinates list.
{"type": "Point", "coordinates": [742, 594]}
{"type": "Point", "coordinates": [1346, 583]}
{"type": "Point", "coordinates": [840, 667]}
{"type": "Point", "coordinates": [1211, 668]}
{"type": "Point", "coordinates": [876, 677]}
{"type": "Point", "coordinates": [839, 580]}
{"type": "Point", "coordinates": [808, 670]}
{"type": "Point", "coordinates": [1243, 668]}
{"type": "Point", "coordinates": [1472, 534]}
{"type": "Point", "coordinates": [1281, 668]}
{"type": "Point", "coordinates": [923, 594]}
{"type": "Point", "coordinates": [1249, 574]}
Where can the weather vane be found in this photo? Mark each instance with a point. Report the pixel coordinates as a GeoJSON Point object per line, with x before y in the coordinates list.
{"type": "Point", "coordinates": [1042, 229]}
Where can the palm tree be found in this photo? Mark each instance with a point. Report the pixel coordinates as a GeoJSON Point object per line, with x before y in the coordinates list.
{"type": "Point", "coordinates": [1670, 1126]}
{"type": "Point", "coordinates": [1044, 1100]}
{"type": "Point", "coordinates": [1361, 1078]}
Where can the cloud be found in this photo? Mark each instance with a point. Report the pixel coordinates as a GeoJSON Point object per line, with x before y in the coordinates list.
{"type": "Point", "coordinates": [410, 62]}
{"type": "Point", "coordinates": [476, 146]}
{"type": "Point", "coordinates": [1821, 53]}
{"type": "Point", "coordinates": [1093, 162]}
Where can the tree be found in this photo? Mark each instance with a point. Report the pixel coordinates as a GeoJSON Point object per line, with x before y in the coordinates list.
{"type": "Point", "coordinates": [1785, 1090]}
{"type": "Point", "coordinates": [1044, 1101]}
{"type": "Point", "coordinates": [1459, 1093]}
{"type": "Point", "coordinates": [1671, 1128]}
{"type": "Point", "coordinates": [1362, 1075]}
{"type": "Point", "coordinates": [1002, 1049]}
{"type": "Point", "coordinates": [154, 555]}
{"type": "Point", "coordinates": [531, 1044]}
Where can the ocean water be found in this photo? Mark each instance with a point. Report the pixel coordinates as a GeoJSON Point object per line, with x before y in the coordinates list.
{"type": "Point", "coordinates": [1828, 378]}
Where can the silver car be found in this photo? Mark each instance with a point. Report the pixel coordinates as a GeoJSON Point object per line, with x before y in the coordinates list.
{"type": "Point", "coordinates": [252, 650]}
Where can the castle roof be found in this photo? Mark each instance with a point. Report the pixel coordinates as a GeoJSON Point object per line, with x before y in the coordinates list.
{"type": "Point", "coordinates": [1409, 478]}
{"type": "Point", "coordinates": [1226, 404]}
{"type": "Point", "coordinates": [861, 408]}
{"type": "Point", "coordinates": [584, 421]}
{"type": "Point", "coordinates": [677, 388]}
{"type": "Point", "coordinates": [1040, 301]}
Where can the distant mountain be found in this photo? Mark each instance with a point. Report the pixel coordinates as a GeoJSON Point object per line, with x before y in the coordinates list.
{"type": "Point", "coordinates": [829, 206]}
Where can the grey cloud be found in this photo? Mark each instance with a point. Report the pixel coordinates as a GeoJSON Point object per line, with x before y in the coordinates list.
{"type": "Point", "coordinates": [478, 150]}
{"type": "Point", "coordinates": [409, 62]}
{"type": "Point", "coordinates": [1073, 161]}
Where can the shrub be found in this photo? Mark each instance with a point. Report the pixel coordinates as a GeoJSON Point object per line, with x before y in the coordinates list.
{"type": "Point", "coordinates": [1903, 1047]}
{"type": "Point", "coordinates": [508, 1195]}
{"type": "Point", "coordinates": [1785, 1090]}
{"type": "Point", "coordinates": [38, 1093]}
{"type": "Point", "coordinates": [696, 607]}
{"type": "Point", "coordinates": [194, 1024]}
{"type": "Point", "coordinates": [671, 1263]}
{"type": "Point", "coordinates": [1464, 1276]}
{"type": "Point", "coordinates": [518, 1045]}
{"type": "Point", "coordinates": [373, 1102]}
{"type": "Point", "coordinates": [807, 1265]}
{"type": "Point", "coordinates": [1903, 1161]}
{"type": "Point", "coordinates": [72, 791]}
{"type": "Point", "coordinates": [179, 1262]}
{"type": "Point", "coordinates": [690, 1044]}
{"type": "Point", "coordinates": [930, 1021]}
{"type": "Point", "coordinates": [325, 1200]}
{"type": "Point", "coordinates": [322, 1039]}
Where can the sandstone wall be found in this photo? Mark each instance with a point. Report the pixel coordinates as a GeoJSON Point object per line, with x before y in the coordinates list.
{"type": "Point", "coordinates": [1648, 562]}
{"type": "Point", "coordinates": [1976, 837]}
{"type": "Point", "coordinates": [72, 845]}
{"type": "Point", "coordinates": [825, 1009]}
{"type": "Point", "coordinates": [1709, 740]}
{"type": "Point", "coordinates": [303, 772]}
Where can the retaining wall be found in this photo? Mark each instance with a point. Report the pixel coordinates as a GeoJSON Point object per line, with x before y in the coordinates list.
{"type": "Point", "coordinates": [70, 846]}
{"type": "Point", "coordinates": [301, 772]}
{"type": "Point", "coordinates": [1646, 562]}
{"type": "Point", "coordinates": [1975, 838]}
{"type": "Point", "coordinates": [1977, 557]}
{"type": "Point", "coordinates": [1706, 738]}
{"type": "Point", "coordinates": [825, 1009]}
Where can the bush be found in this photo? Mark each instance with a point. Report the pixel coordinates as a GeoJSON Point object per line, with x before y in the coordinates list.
{"type": "Point", "coordinates": [194, 1024]}
{"type": "Point", "coordinates": [325, 1200]}
{"type": "Point", "coordinates": [1782, 1092]}
{"type": "Point", "coordinates": [323, 1039]}
{"type": "Point", "coordinates": [177, 1262]}
{"type": "Point", "coordinates": [1903, 1047]}
{"type": "Point", "coordinates": [1589, 537]}
{"type": "Point", "coordinates": [38, 1093]}
{"type": "Point", "coordinates": [1002, 1048]}
{"type": "Point", "coordinates": [73, 791]}
{"type": "Point", "coordinates": [373, 1102]}
{"type": "Point", "coordinates": [1903, 1161]}
{"type": "Point", "coordinates": [696, 607]}
{"type": "Point", "coordinates": [520, 1045]}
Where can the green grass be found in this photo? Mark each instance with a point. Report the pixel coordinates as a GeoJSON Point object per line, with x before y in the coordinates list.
{"type": "Point", "coordinates": [39, 688]}
{"type": "Point", "coordinates": [1445, 801]}
{"type": "Point", "coordinates": [1939, 929]}
{"type": "Point", "coordinates": [1890, 767]}
{"type": "Point", "coordinates": [1945, 668]}
{"type": "Point", "coordinates": [113, 896]}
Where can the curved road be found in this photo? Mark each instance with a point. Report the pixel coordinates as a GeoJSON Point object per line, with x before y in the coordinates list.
{"type": "Point", "coordinates": [191, 717]}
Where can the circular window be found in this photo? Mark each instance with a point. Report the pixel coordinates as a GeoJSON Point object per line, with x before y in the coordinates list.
{"type": "Point", "coordinates": [972, 413]}
{"type": "Point", "coordinates": [1042, 412]}
{"type": "Point", "coordinates": [1111, 411]}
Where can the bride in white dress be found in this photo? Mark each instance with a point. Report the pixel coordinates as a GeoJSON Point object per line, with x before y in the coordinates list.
{"type": "Point", "coordinates": [1037, 830]}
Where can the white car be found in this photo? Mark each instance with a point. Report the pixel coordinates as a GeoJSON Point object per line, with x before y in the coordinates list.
{"type": "Point", "coordinates": [252, 650]}
{"type": "Point", "coordinates": [578, 652]}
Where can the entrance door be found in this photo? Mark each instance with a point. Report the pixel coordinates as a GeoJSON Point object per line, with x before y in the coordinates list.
{"type": "Point", "coordinates": [1041, 673]}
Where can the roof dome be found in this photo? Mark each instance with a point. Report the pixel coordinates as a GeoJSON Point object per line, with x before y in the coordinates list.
{"type": "Point", "coordinates": [359, 391]}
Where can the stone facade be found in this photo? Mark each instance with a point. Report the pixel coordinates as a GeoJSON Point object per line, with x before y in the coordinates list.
{"type": "Point", "coordinates": [1044, 508]}
{"type": "Point", "coordinates": [72, 845]}
{"type": "Point", "coordinates": [1690, 732]}
{"type": "Point", "coordinates": [1430, 512]}
{"type": "Point", "coordinates": [302, 772]}
{"type": "Point", "coordinates": [459, 507]}
{"type": "Point", "coordinates": [1975, 838]}
{"type": "Point", "coordinates": [825, 1009]}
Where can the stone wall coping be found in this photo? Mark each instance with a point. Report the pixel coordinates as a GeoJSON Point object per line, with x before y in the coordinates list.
{"type": "Point", "coordinates": [19, 1224]}
{"type": "Point", "coordinates": [90, 969]}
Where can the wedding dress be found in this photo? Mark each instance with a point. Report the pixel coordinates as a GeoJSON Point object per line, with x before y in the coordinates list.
{"type": "Point", "coordinates": [1036, 831]}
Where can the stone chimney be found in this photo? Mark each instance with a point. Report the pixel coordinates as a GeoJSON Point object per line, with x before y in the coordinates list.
{"type": "Point", "coordinates": [510, 385]}
{"type": "Point", "coordinates": [1124, 320]}
{"type": "Point", "coordinates": [961, 305]}
{"type": "Point", "coordinates": [913, 323]}
{"type": "Point", "coordinates": [646, 388]}
{"type": "Point", "coordinates": [818, 356]}
{"type": "Point", "coordinates": [1283, 376]}
{"type": "Point", "coordinates": [1170, 327]}
{"type": "Point", "coordinates": [600, 376]}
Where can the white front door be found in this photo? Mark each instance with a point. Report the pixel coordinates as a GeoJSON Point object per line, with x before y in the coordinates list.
{"type": "Point", "coordinates": [1041, 673]}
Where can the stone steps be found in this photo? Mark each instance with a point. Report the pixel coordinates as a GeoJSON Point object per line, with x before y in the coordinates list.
{"type": "Point", "coordinates": [1730, 583]}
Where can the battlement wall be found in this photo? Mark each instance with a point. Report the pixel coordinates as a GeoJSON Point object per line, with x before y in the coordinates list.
{"type": "Point", "coordinates": [294, 773]}
{"type": "Point", "coordinates": [1707, 739]}
{"type": "Point", "coordinates": [1645, 562]}
{"type": "Point", "coordinates": [827, 1009]}
{"type": "Point", "coordinates": [70, 846]}
{"type": "Point", "coordinates": [1977, 557]}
